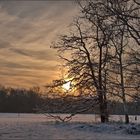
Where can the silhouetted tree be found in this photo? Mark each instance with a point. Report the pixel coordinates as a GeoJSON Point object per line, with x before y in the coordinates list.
{"type": "Point", "coordinates": [103, 29]}
{"type": "Point", "coordinates": [88, 44]}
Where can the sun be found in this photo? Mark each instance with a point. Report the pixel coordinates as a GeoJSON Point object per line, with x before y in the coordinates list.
{"type": "Point", "coordinates": [66, 86]}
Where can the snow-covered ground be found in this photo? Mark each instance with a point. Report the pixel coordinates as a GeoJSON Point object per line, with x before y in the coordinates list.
{"type": "Point", "coordinates": [15, 126]}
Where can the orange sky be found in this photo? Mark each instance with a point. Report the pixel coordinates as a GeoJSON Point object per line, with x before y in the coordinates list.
{"type": "Point", "coordinates": [27, 28]}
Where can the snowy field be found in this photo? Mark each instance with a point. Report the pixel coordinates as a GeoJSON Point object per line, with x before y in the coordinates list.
{"type": "Point", "coordinates": [15, 126]}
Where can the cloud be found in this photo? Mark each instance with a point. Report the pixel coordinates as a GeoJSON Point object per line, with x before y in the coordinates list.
{"type": "Point", "coordinates": [47, 54]}
{"type": "Point", "coordinates": [5, 44]}
{"type": "Point", "coordinates": [27, 28]}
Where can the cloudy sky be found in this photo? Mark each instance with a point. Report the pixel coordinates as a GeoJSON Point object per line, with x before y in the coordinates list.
{"type": "Point", "coordinates": [26, 30]}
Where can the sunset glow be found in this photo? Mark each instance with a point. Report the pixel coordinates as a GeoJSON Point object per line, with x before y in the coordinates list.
{"type": "Point", "coordinates": [66, 86]}
{"type": "Point", "coordinates": [27, 30]}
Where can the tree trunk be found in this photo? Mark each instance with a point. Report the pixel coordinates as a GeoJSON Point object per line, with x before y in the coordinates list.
{"type": "Point", "coordinates": [126, 118]}
{"type": "Point", "coordinates": [123, 92]}
{"type": "Point", "coordinates": [101, 94]}
{"type": "Point", "coordinates": [103, 112]}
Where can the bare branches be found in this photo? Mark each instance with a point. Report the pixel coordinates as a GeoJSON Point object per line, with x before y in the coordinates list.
{"type": "Point", "coordinates": [80, 106]}
{"type": "Point", "coordinates": [95, 50]}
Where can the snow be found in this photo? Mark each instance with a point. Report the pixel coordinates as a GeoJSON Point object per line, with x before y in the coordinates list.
{"type": "Point", "coordinates": [15, 126]}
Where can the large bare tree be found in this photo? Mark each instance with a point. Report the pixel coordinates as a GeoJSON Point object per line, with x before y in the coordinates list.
{"type": "Point", "coordinates": [104, 28]}
{"type": "Point", "coordinates": [88, 44]}
{"type": "Point", "coordinates": [124, 19]}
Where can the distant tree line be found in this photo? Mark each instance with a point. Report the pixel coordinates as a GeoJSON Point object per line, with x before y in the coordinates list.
{"type": "Point", "coordinates": [19, 100]}
{"type": "Point", "coordinates": [28, 101]}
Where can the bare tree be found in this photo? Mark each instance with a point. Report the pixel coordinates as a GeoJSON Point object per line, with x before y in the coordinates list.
{"type": "Point", "coordinates": [127, 25]}
{"type": "Point", "coordinates": [124, 19]}
{"type": "Point", "coordinates": [103, 28]}
{"type": "Point", "coordinates": [89, 46]}
{"type": "Point", "coordinates": [120, 45]}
